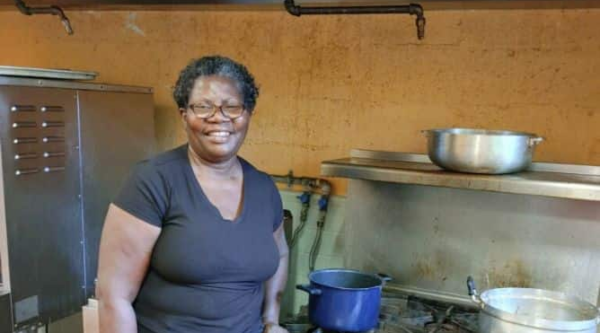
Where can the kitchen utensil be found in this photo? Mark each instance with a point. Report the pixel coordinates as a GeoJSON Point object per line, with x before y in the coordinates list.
{"type": "Point", "coordinates": [481, 151]}
{"type": "Point", "coordinates": [344, 300]}
{"type": "Point", "coordinates": [524, 310]}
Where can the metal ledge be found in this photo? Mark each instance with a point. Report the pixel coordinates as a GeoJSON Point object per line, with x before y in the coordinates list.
{"type": "Point", "coordinates": [65, 84]}
{"type": "Point", "coordinates": [46, 73]}
{"type": "Point", "coordinates": [579, 182]}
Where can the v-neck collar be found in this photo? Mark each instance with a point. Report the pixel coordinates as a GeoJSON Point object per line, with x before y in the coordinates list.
{"type": "Point", "coordinates": [211, 206]}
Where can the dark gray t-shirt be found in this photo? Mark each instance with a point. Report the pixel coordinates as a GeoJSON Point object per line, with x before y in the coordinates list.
{"type": "Point", "coordinates": [206, 274]}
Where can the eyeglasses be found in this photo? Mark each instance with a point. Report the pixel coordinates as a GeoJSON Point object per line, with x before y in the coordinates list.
{"type": "Point", "coordinates": [205, 111]}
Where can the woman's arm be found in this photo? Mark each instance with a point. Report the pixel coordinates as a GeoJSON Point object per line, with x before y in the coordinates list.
{"type": "Point", "coordinates": [275, 286]}
{"type": "Point", "coordinates": [125, 249]}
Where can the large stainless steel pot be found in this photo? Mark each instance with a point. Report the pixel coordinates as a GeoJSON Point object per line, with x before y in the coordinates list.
{"type": "Point", "coordinates": [524, 310]}
{"type": "Point", "coordinates": [481, 151]}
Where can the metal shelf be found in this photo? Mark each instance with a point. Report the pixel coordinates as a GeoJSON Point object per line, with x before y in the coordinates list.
{"type": "Point", "coordinates": [67, 84]}
{"type": "Point", "coordinates": [45, 73]}
{"type": "Point", "coordinates": [580, 182]}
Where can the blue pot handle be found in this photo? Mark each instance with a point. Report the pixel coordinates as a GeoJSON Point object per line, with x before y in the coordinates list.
{"type": "Point", "coordinates": [309, 289]}
{"type": "Point", "coordinates": [384, 277]}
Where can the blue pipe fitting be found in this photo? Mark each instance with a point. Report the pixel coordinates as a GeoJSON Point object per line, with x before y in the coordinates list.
{"type": "Point", "coordinates": [323, 203]}
{"type": "Point", "coordinates": [304, 198]}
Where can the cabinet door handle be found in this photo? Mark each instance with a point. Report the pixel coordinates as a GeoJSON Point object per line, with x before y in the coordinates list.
{"type": "Point", "coordinates": [51, 108]}
{"type": "Point", "coordinates": [48, 154]}
{"type": "Point", "coordinates": [23, 140]}
{"type": "Point", "coordinates": [47, 124]}
{"type": "Point", "coordinates": [48, 139]}
{"type": "Point", "coordinates": [25, 156]}
{"type": "Point", "coordinates": [22, 172]}
{"type": "Point", "coordinates": [53, 169]}
{"type": "Point", "coordinates": [24, 124]}
{"type": "Point", "coordinates": [22, 108]}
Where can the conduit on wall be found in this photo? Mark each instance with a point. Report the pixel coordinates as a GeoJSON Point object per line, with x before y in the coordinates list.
{"type": "Point", "coordinates": [412, 9]}
{"type": "Point", "coordinates": [53, 10]}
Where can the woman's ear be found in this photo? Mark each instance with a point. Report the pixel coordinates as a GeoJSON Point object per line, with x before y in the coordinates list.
{"type": "Point", "coordinates": [183, 115]}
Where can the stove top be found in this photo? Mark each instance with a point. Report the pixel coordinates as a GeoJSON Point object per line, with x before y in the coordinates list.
{"type": "Point", "coordinates": [411, 314]}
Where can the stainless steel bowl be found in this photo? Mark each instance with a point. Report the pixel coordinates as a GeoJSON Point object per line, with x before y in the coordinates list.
{"type": "Point", "coordinates": [481, 151]}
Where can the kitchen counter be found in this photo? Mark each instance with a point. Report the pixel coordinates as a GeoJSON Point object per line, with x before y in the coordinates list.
{"type": "Point", "coordinates": [580, 182]}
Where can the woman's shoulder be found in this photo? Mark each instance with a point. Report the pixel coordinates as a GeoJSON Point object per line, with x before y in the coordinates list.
{"type": "Point", "coordinates": [163, 162]}
{"type": "Point", "coordinates": [173, 156]}
{"type": "Point", "coordinates": [254, 172]}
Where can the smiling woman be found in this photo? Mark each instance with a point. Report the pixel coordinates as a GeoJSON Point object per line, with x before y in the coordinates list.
{"type": "Point", "coordinates": [215, 121]}
{"type": "Point", "coordinates": [194, 241]}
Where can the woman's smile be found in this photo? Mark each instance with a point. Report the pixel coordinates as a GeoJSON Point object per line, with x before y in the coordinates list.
{"type": "Point", "coordinates": [219, 136]}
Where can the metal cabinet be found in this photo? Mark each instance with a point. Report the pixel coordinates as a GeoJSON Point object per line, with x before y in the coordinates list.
{"type": "Point", "coordinates": [117, 131]}
{"type": "Point", "coordinates": [65, 149]}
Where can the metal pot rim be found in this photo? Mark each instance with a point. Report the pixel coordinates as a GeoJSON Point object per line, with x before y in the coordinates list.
{"type": "Point", "coordinates": [591, 312]}
{"type": "Point", "coordinates": [340, 270]}
{"type": "Point", "coordinates": [474, 131]}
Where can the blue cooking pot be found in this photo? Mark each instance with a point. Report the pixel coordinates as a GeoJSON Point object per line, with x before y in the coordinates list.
{"type": "Point", "coordinates": [344, 300]}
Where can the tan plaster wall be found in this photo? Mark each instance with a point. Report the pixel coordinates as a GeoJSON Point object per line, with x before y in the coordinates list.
{"type": "Point", "coordinates": [332, 83]}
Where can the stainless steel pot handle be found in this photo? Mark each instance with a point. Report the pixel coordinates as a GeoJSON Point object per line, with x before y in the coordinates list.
{"type": "Point", "coordinates": [473, 293]}
{"type": "Point", "coordinates": [534, 141]}
{"type": "Point", "coordinates": [313, 291]}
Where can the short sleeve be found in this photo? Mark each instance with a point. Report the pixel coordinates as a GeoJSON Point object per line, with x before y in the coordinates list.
{"type": "Point", "coordinates": [277, 208]}
{"type": "Point", "coordinates": [144, 194]}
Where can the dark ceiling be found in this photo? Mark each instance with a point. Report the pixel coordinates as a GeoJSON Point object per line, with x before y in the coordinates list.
{"type": "Point", "coordinates": [190, 4]}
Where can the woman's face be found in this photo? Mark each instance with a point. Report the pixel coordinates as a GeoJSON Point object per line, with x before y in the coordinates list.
{"type": "Point", "coordinates": [216, 138]}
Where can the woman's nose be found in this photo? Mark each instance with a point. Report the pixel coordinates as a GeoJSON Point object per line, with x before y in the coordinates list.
{"type": "Point", "coordinates": [218, 116]}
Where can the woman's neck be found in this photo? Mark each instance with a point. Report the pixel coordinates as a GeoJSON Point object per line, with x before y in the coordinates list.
{"type": "Point", "coordinates": [222, 168]}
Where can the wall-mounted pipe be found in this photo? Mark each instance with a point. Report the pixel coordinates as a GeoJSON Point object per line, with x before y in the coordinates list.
{"type": "Point", "coordinates": [412, 9]}
{"type": "Point", "coordinates": [314, 250]}
{"type": "Point", "coordinates": [309, 186]}
{"type": "Point", "coordinates": [308, 183]}
{"type": "Point", "coordinates": [305, 201]}
{"type": "Point", "coordinates": [53, 10]}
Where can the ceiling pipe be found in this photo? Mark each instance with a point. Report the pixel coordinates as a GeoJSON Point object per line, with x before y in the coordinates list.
{"type": "Point", "coordinates": [53, 10]}
{"type": "Point", "coordinates": [412, 9]}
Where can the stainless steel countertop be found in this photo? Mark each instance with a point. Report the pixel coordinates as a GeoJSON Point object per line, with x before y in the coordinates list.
{"type": "Point", "coordinates": [580, 182]}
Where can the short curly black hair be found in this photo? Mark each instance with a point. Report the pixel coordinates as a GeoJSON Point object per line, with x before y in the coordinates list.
{"type": "Point", "coordinates": [216, 65]}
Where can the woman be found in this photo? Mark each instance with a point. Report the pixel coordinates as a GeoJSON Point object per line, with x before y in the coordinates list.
{"type": "Point", "coordinates": [194, 242]}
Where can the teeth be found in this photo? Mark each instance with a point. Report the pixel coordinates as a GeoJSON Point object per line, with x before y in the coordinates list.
{"type": "Point", "coordinates": [221, 134]}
